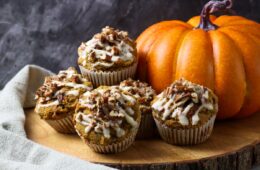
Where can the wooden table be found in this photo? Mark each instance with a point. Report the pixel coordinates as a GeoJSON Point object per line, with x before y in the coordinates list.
{"type": "Point", "coordinates": [233, 145]}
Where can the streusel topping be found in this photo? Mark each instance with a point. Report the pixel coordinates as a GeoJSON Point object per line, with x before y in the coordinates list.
{"type": "Point", "coordinates": [106, 111]}
{"type": "Point", "coordinates": [184, 101]}
{"type": "Point", "coordinates": [58, 88]}
{"type": "Point", "coordinates": [142, 91]}
{"type": "Point", "coordinates": [108, 49]}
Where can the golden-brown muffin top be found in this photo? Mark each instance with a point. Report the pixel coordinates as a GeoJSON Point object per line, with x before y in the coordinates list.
{"type": "Point", "coordinates": [107, 112]}
{"type": "Point", "coordinates": [141, 91]}
{"type": "Point", "coordinates": [107, 50]}
{"type": "Point", "coordinates": [184, 103]}
{"type": "Point", "coordinates": [59, 92]}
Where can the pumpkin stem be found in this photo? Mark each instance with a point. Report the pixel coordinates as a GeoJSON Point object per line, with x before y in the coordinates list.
{"type": "Point", "coordinates": [209, 8]}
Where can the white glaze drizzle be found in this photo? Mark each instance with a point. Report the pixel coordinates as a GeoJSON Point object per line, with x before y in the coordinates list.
{"type": "Point", "coordinates": [126, 51]}
{"type": "Point", "coordinates": [96, 123]}
{"type": "Point", "coordinates": [71, 84]}
{"type": "Point", "coordinates": [104, 64]}
{"type": "Point", "coordinates": [125, 55]}
{"type": "Point", "coordinates": [56, 102]}
{"type": "Point", "coordinates": [73, 92]}
{"type": "Point", "coordinates": [53, 103]}
{"type": "Point", "coordinates": [67, 73]}
{"type": "Point", "coordinates": [62, 79]}
{"type": "Point", "coordinates": [139, 90]}
{"type": "Point", "coordinates": [170, 108]}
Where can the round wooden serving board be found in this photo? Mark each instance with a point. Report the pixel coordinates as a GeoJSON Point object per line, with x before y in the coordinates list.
{"type": "Point", "coordinates": [233, 145]}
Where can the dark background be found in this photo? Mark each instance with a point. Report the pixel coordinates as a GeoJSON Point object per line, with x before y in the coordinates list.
{"type": "Point", "coordinates": [48, 32]}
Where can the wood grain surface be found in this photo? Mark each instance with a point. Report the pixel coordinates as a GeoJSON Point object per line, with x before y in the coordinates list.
{"type": "Point", "coordinates": [233, 145]}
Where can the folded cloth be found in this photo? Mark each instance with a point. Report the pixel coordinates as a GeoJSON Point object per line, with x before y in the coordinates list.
{"type": "Point", "coordinates": [16, 151]}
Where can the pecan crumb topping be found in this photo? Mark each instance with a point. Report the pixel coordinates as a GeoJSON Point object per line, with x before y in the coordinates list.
{"type": "Point", "coordinates": [184, 100]}
{"type": "Point", "coordinates": [56, 87]}
{"type": "Point", "coordinates": [142, 91]}
{"type": "Point", "coordinates": [107, 48]}
{"type": "Point", "coordinates": [110, 109]}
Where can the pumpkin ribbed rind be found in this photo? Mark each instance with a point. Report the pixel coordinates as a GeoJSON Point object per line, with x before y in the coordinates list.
{"type": "Point", "coordinates": [225, 60]}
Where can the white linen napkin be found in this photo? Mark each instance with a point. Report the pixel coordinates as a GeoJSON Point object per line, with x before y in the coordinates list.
{"type": "Point", "coordinates": [16, 151]}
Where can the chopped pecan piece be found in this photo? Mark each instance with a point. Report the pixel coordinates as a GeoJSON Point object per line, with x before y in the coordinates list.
{"type": "Point", "coordinates": [115, 50]}
{"type": "Point", "coordinates": [180, 97]}
{"type": "Point", "coordinates": [76, 79]}
{"type": "Point", "coordinates": [103, 39]}
{"type": "Point", "coordinates": [111, 43]}
{"type": "Point", "coordinates": [108, 58]}
{"type": "Point", "coordinates": [98, 46]}
{"type": "Point", "coordinates": [92, 57]}
{"type": "Point", "coordinates": [112, 36]}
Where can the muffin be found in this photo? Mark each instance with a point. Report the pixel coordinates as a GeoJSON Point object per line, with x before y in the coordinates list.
{"type": "Point", "coordinates": [185, 113]}
{"type": "Point", "coordinates": [107, 119]}
{"type": "Point", "coordinates": [108, 58]}
{"type": "Point", "coordinates": [144, 94]}
{"type": "Point", "coordinates": [58, 96]}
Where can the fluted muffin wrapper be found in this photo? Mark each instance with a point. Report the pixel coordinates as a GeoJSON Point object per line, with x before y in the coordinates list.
{"type": "Point", "coordinates": [113, 148]}
{"type": "Point", "coordinates": [189, 136]}
{"type": "Point", "coordinates": [109, 78]}
{"type": "Point", "coordinates": [147, 127]}
{"type": "Point", "coordinates": [64, 125]}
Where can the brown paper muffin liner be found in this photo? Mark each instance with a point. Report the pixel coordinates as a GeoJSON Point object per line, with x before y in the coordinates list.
{"type": "Point", "coordinates": [189, 136]}
{"type": "Point", "coordinates": [64, 125]}
{"type": "Point", "coordinates": [147, 129]}
{"type": "Point", "coordinates": [108, 77]}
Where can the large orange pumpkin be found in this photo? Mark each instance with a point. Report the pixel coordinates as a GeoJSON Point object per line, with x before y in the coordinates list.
{"type": "Point", "coordinates": [221, 53]}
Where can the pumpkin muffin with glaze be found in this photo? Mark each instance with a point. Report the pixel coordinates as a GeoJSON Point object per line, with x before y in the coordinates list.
{"type": "Point", "coordinates": [58, 96]}
{"type": "Point", "coordinates": [108, 58]}
{"type": "Point", "coordinates": [185, 113]}
{"type": "Point", "coordinates": [107, 119]}
{"type": "Point", "coordinates": [144, 94]}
